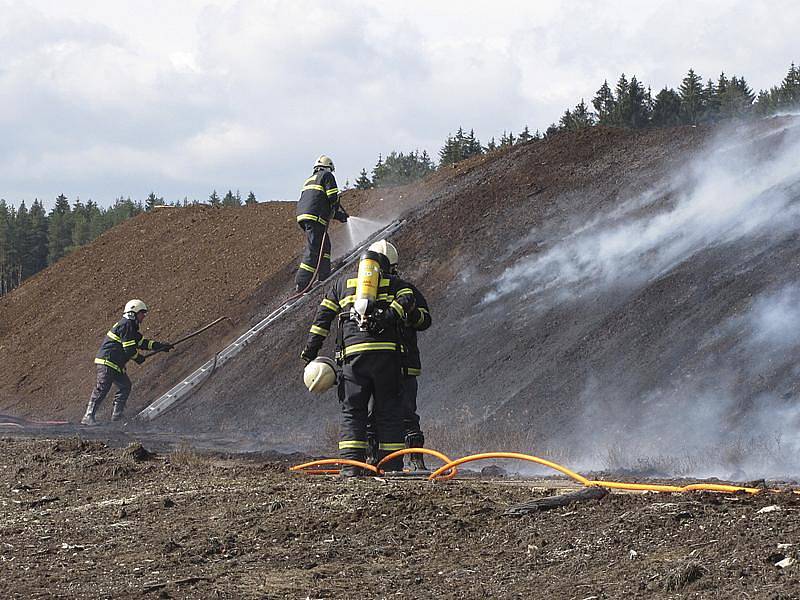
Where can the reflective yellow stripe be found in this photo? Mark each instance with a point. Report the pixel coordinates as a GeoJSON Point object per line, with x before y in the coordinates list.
{"type": "Point", "coordinates": [114, 336]}
{"type": "Point", "coordinates": [312, 178]}
{"type": "Point", "coordinates": [331, 191]}
{"type": "Point", "coordinates": [150, 344]}
{"type": "Point", "coordinates": [305, 267]}
{"type": "Point", "coordinates": [310, 217]}
{"type": "Point", "coordinates": [347, 300]}
{"type": "Point", "coordinates": [387, 297]}
{"type": "Point", "coordinates": [313, 186]}
{"type": "Point", "coordinates": [108, 363]}
{"type": "Point", "coordinates": [397, 308]}
{"type": "Point", "coordinates": [319, 331]}
{"type": "Point", "coordinates": [404, 292]}
{"type": "Point", "coordinates": [328, 256]}
{"type": "Point", "coordinates": [413, 372]}
{"type": "Point", "coordinates": [129, 343]}
{"type": "Point", "coordinates": [421, 319]}
{"type": "Point", "coordinates": [368, 346]}
{"type": "Point", "coordinates": [391, 447]}
{"type": "Point", "coordinates": [345, 444]}
{"type": "Point", "coordinates": [384, 282]}
{"type": "Point", "coordinates": [329, 304]}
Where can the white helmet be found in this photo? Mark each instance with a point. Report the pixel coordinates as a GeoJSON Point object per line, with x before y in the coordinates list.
{"type": "Point", "coordinates": [320, 375]}
{"type": "Point", "coordinates": [324, 161]}
{"type": "Point", "coordinates": [134, 306]}
{"type": "Point", "coordinates": [386, 248]}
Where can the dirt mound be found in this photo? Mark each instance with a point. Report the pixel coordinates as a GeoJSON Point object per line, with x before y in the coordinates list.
{"type": "Point", "coordinates": [615, 293]}
{"type": "Point", "coordinates": [89, 521]}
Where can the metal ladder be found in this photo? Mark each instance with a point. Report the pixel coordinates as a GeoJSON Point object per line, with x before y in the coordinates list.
{"type": "Point", "coordinates": [184, 389]}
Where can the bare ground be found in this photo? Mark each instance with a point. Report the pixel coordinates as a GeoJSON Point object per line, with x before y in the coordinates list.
{"type": "Point", "coordinates": [82, 520]}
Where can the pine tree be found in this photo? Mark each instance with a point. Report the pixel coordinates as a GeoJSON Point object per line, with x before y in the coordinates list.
{"type": "Point", "coordinates": [231, 200]}
{"type": "Point", "coordinates": [363, 182]}
{"type": "Point", "coordinates": [152, 201]}
{"type": "Point", "coordinates": [525, 136]}
{"type": "Point", "coordinates": [251, 199]}
{"type": "Point", "coordinates": [38, 237]}
{"type": "Point", "coordinates": [59, 229]}
{"type": "Point", "coordinates": [507, 139]}
{"type": "Point", "coordinates": [666, 108]}
{"type": "Point", "coordinates": [605, 105]}
{"type": "Point", "coordinates": [449, 154]}
{"type": "Point", "coordinates": [214, 199]}
{"type": "Point", "coordinates": [492, 145]}
{"type": "Point", "coordinates": [691, 93]}
{"type": "Point", "coordinates": [5, 264]}
{"type": "Point", "coordinates": [622, 114]}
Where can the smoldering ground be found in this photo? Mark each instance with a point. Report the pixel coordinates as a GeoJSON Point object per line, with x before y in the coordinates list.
{"type": "Point", "coordinates": [718, 395]}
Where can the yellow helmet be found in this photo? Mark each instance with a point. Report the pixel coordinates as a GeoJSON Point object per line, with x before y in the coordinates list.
{"type": "Point", "coordinates": [320, 375]}
{"type": "Point", "coordinates": [325, 162]}
{"type": "Point", "coordinates": [134, 306]}
{"type": "Point", "coordinates": [386, 248]}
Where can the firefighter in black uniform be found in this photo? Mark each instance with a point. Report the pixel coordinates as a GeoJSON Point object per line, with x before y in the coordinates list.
{"type": "Point", "coordinates": [122, 343]}
{"type": "Point", "coordinates": [418, 320]}
{"type": "Point", "coordinates": [369, 350]}
{"type": "Point", "coordinates": [318, 204]}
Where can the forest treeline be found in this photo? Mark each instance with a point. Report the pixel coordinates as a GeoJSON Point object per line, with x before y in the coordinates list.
{"type": "Point", "coordinates": [628, 103]}
{"type": "Point", "coordinates": [31, 238]}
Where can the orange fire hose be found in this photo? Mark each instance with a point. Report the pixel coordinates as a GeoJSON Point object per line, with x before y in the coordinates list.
{"type": "Point", "coordinates": [448, 471]}
{"type": "Point", "coordinates": [333, 461]}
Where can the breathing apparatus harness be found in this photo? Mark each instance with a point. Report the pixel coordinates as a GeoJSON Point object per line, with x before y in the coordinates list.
{"type": "Point", "coordinates": [365, 313]}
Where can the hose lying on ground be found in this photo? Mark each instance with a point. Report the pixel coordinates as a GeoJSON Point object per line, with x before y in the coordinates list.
{"type": "Point", "coordinates": [448, 471]}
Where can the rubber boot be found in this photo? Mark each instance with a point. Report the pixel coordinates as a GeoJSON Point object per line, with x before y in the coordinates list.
{"type": "Point", "coordinates": [396, 464]}
{"type": "Point", "coordinates": [416, 440]}
{"type": "Point", "coordinates": [417, 461]}
{"type": "Point", "coordinates": [372, 450]}
{"type": "Point", "coordinates": [88, 418]}
{"type": "Point", "coordinates": [119, 409]}
{"type": "Point", "coordinates": [348, 471]}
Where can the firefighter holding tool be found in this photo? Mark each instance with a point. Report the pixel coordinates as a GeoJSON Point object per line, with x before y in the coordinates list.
{"type": "Point", "coordinates": [121, 344]}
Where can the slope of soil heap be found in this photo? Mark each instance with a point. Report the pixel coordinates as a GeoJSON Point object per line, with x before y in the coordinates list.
{"type": "Point", "coordinates": [587, 287]}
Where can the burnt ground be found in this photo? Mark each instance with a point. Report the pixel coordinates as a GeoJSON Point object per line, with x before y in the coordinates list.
{"type": "Point", "coordinates": [82, 520]}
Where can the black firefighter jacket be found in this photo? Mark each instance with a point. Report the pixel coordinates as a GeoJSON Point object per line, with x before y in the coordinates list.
{"type": "Point", "coordinates": [418, 319]}
{"type": "Point", "coordinates": [122, 343]}
{"type": "Point", "coordinates": [319, 199]}
{"type": "Point", "coordinates": [394, 294]}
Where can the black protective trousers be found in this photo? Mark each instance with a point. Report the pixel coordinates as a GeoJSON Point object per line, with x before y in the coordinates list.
{"type": "Point", "coordinates": [106, 377]}
{"type": "Point", "coordinates": [371, 375]}
{"type": "Point", "coordinates": [316, 238]}
{"type": "Point", "coordinates": [408, 395]}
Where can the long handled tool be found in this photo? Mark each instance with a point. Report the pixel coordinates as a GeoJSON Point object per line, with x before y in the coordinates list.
{"type": "Point", "coordinates": [194, 333]}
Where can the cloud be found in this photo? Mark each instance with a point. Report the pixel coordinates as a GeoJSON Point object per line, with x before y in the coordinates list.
{"type": "Point", "coordinates": [160, 79]}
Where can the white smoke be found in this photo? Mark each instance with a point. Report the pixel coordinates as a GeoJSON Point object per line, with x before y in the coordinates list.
{"type": "Point", "coordinates": [728, 194]}
{"type": "Point", "coordinates": [744, 187]}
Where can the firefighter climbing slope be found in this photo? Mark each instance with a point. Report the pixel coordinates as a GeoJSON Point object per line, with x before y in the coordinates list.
{"type": "Point", "coordinates": [318, 204]}
{"type": "Point", "coordinates": [121, 344]}
{"type": "Point", "coordinates": [371, 307]}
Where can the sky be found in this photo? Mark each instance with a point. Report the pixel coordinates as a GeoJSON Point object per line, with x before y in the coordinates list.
{"type": "Point", "coordinates": [106, 99]}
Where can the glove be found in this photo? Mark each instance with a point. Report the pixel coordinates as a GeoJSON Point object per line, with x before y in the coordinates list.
{"type": "Point", "coordinates": [341, 215]}
{"type": "Point", "coordinates": [308, 355]}
{"type": "Point", "coordinates": [383, 319]}
{"type": "Point", "coordinates": [162, 346]}
{"type": "Point", "coordinates": [139, 359]}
